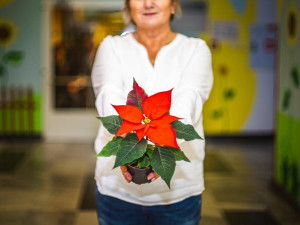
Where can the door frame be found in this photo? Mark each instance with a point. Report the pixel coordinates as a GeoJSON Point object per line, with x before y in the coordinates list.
{"type": "Point", "coordinates": [66, 125]}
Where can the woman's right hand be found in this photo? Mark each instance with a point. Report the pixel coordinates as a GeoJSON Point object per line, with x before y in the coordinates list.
{"type": "Point", "coordinates": [126, 174]}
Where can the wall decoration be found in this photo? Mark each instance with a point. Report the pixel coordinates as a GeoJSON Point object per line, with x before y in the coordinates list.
{"type": "Point", "coordinates": [239, 5]}
{"type": "Point", "coordinates": [234, 89]}
{"type": "Point", "coordinates": [17, 111]}
{"type": "Point", "coordinates": [263, 45]}
{"type": "Point", "coordinates": [292, 26]}
{"type": "Point", "coordinates": [226, 30]}
{"type": "Point", "coordinates": [287, 161]}
{"type": "Point", "coordinates": [20, 99]}
{"type": "Point", "coordinates": [11, 101]}
{"type": "Point", "coordinates": [243, 47]}
{"type": "Point", "coordinates": [279, 6]}
{"type": "Point", "coordinates": [7, 32]}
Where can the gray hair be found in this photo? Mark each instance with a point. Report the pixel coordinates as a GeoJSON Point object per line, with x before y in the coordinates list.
{"type": "Point", "coordinates": [128, 19]}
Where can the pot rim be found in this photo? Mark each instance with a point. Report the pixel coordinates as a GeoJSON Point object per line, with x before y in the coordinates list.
{"type": "Point", "coordinates": [137, 168]}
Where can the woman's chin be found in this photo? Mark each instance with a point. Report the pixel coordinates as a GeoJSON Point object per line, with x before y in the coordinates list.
{"type": "Point", "coordinates": [150, 25]}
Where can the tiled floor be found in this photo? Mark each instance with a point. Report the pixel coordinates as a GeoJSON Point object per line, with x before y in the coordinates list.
{"type": "Point", "coordinates": [52, 184]}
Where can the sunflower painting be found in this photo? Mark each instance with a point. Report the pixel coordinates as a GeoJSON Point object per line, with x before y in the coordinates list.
{"type": "Point", "coordinates": [8, 32]}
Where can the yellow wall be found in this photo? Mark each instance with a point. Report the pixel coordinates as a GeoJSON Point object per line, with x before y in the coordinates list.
{"type": "Point", "coordinates": [232, 73]}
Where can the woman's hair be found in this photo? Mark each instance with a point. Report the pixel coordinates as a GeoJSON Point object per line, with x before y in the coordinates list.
{"type": "Point", "coordinates": [127, 16]}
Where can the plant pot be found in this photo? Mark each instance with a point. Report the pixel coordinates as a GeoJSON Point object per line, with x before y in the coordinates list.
{"type": "Point", "coordinates": [139, 175]}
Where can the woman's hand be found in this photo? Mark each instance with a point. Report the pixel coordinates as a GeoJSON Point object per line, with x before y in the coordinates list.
{"type": "Point", "coordinates": [152, 176]}
{"type": "Point", "coordinates": [126, 174]}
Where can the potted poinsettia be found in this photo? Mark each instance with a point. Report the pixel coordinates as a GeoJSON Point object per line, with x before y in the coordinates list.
{"type": "Point", "coordinates": [145, 135]}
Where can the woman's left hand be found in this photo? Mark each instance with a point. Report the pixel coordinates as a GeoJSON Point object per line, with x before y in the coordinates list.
{"type": "Point", "coordinates": [152, 176]}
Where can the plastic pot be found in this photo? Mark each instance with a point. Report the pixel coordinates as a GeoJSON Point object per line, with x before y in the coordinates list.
{"type": "Point", "coordinates": [139, 175]}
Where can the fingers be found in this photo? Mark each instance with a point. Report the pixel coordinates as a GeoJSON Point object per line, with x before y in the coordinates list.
{"type": "Point", "coordinates": [123, 168]}
{"type": "Point", "coordinates": [126, 174]}
{"type": "Point", "coordinates": [152, 176]}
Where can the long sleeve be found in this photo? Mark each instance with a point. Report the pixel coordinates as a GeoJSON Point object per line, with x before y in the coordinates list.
{"type": "Point", "coordinates": [107, 79]}
{"type": "Point", "coordinates": [194, 87]}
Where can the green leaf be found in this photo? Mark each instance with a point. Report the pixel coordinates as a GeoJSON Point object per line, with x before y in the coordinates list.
{"type": "Point", "coordinates": [144, 162]}
{"type": "Point", "coordinates": [13, 58]}
{"type": "Point", "coordinates": [185, 131]}
{"type": "Point", "coordinates": [111, 148]}
{"type": "Point", "coordinates": [130, 149]}
{"type": "Point", "coordinates": [149, 150]}
{"type": "Point", "coordinates": [163, 163]}
{"type": "Point", "coordinates": [2, 71]}
{"type": "Point", "coordinates": [111, 123]}
{"type": "Point", "coordinates": [179, 154]}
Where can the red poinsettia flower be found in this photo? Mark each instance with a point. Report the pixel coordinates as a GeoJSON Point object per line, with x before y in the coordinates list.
{"type": "Point", "coordinates": [153, 120]}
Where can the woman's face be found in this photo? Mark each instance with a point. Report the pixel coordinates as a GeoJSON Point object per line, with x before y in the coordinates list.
{"type": "Point", "coordinates": [151, 13]}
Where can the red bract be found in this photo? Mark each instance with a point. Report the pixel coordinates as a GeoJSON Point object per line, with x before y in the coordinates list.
{"type": "Point", "coordinates": [154, 121]}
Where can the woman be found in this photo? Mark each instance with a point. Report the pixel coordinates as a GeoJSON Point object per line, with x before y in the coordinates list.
{"type": "Point", "coordinates": [159, 60]}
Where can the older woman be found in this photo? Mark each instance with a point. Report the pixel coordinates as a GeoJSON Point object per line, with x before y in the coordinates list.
{"type": "Point", "coordinates": [159, 60]}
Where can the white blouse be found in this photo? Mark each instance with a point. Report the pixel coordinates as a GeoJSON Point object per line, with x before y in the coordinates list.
{"type": "Point", "coordinates": [185, 65]}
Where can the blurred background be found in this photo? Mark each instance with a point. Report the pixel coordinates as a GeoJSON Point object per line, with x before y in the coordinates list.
{"type": "Point", "coordinates": [48, 119]}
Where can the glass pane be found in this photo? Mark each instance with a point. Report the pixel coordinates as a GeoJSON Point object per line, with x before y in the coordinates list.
{"type": "Point", "coordinates": [76, 35]}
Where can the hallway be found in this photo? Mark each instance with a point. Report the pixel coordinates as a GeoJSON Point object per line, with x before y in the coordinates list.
{"type": "Point", "coordinates": [52, 184]}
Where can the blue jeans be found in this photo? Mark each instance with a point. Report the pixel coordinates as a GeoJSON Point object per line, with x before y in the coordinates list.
{"type": "Point", "coordinates": [113, 211]}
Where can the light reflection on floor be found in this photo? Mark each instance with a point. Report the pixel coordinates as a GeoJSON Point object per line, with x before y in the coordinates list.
{"type": "Point", "coordinates": [48, 183]}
